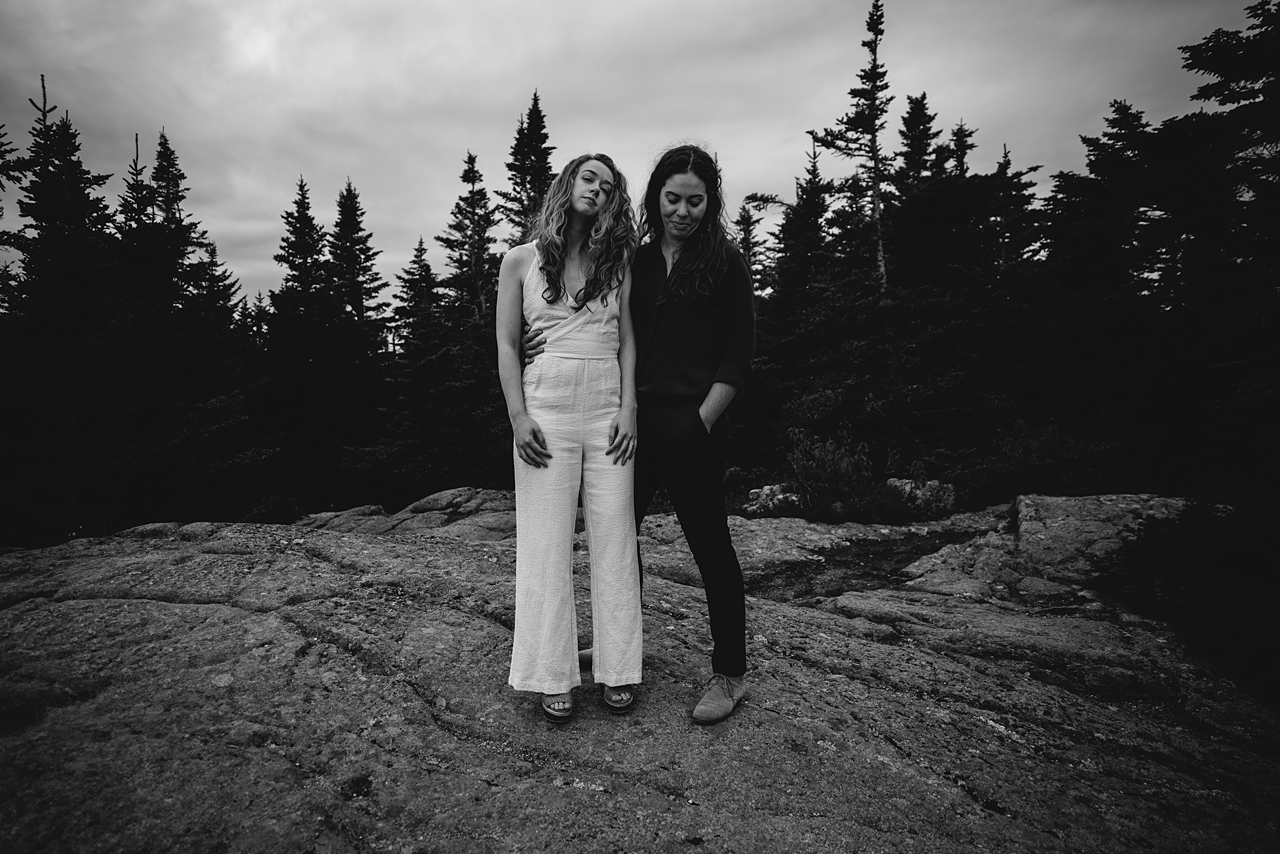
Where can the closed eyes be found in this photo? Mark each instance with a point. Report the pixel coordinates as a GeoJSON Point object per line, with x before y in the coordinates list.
{"type": "Point", "coordinates": [592, 178]}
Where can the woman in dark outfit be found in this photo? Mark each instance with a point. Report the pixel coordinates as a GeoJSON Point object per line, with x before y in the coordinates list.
{"type": "Point", "coordinates": [691, 303]}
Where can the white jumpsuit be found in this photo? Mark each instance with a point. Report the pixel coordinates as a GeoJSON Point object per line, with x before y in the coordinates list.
{"type": "Point", "coordinates": [573, 391]}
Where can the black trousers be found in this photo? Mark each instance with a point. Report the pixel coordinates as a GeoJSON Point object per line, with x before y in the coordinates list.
{"type": "Point", "coordinates": [690, 465]}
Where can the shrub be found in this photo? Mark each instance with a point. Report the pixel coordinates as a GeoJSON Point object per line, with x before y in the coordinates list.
{"type": "Point", "coordinates": [837, 484]}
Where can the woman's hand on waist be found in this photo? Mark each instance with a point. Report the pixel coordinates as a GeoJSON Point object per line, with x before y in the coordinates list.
{"type": "Point", "coordinates": [532, 344]}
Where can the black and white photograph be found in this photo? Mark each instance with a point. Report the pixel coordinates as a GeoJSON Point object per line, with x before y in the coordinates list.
{"type": "Point", "coordinates": [730, 426]}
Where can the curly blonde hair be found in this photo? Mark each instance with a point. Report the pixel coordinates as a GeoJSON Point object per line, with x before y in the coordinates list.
{"type": "Point", "coordinates": [609, 246]}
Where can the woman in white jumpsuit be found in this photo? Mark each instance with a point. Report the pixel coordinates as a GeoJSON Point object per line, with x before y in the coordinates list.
{"type": "Point", "coordinates": [573, 415]}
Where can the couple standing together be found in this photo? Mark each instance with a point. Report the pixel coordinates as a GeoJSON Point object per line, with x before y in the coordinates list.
{"type": "Point", "coordinates": [638, 344]}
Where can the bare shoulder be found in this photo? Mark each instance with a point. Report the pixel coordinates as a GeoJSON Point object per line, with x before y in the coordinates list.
{"type": "Point", "coordinates": [515, 264]}
{"type": "Point", "coordinates": [521, 255]}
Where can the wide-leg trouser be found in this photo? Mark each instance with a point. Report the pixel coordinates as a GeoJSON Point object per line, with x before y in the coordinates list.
{"type": "Point", "coordinates": [574, 401]}
{"type": "Point", "coordinates": [690, 465]}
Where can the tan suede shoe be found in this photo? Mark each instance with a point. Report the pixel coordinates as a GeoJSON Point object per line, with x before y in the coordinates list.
{"type": "Point", "coordinates": [723, 694]}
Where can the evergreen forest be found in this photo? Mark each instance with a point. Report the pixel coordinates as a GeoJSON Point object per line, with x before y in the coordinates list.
{"type": "Point", "coordinates": [927, 317]}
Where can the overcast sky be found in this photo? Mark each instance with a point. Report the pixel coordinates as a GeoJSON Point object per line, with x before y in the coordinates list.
{"type": "Point", "coordinates": [392, 93]}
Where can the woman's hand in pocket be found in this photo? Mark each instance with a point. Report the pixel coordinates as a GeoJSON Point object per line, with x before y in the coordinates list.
{"type": "Point", "coordinates": [622, 436]}
{"type": "Point", "coordinates": [531, 445]}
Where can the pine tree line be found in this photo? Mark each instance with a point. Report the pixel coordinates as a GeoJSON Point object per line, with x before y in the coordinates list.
{"type": "Point", "coordinates": [926, 319]}
{"type": "Point", "coordinates": [920, 317]}
{"type": "Point", "coordinates": [149, 387]}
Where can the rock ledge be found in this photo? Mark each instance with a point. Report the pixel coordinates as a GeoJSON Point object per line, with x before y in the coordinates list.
{"type": "Point", "coordinates": [954, 686]}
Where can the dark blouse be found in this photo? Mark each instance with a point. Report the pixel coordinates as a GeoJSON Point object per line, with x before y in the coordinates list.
{"type": "Point", "coordinates": [684, 344]}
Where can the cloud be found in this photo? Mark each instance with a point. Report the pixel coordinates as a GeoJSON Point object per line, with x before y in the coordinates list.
{"type": "Point", "coordinates": [392, 93]}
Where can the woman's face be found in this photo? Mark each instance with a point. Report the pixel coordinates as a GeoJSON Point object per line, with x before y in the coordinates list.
{"type": "Point", "coordinates": [682, 203]}
{"type": "Point", "coordinates": [591, 188]}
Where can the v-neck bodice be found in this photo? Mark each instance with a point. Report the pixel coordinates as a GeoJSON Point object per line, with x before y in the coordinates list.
{"type": "Point", "coordinates": [589, 331]}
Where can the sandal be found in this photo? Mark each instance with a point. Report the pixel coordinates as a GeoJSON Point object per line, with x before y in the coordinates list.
{"type": "Point", "coordinates": [618, 700]}
{"type": "Point", "coordinates": [557, 715]}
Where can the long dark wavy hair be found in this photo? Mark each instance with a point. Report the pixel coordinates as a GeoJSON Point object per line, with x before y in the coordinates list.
{"type": "Point", "coordinates": [609, 246]}
{"type": "Point", "coordinates": [703, 256]}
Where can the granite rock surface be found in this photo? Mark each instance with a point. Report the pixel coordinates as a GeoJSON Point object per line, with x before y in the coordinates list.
{"type": "Point", "coordinates": [955, 686]}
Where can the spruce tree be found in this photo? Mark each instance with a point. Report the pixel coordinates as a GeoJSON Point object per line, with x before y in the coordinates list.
{"type": "Point", "coordinates": [217, 363]}
{"type": "Point", "coordinates": [530, 173]}
{"type": "Point", "coordinates": [802, 263]}
{"type": "Point", "coordinates": [252, 319]}
{"type": "Point", "coordinates": [417, 315]}
{"type": "Point", "coordinates": [748, 241]}
{"type": "Point", "coordinates": [65, 242]}
{"type": "Point", "coordinates": [158, 239]}
{"type": "Point", "coordinates": [456, 373]}
{"type": "Point", "coordinates": [355, 282]}
{"type": "Point", "coordinates": [64, 341]}
{"type": "Point", "coordinates": [137, 203]}
{"type": "Point", "coordinates": [1244, 136]}
{"type": "Point", "coordinates": [321, 386]}
{"type": "Point", "coordinates": [1013, 220]}
{"type": "Point", "coordinates": [1099, 221]}
{"type": "Point", "coordinates": [13, 389]}
{"type": "Point", "coordinates": [212, 352]}
{"type": "Point", "coordinates": [467, 242]}
{"type": "Point", "coordinates": [1241, 63]}
{"type": "Point", "coordinates": [10, 166]}
{"type": "Point", "coordinates": [170, 187]}
{"type": "Point", "coordinates": [959, 145]}
{"type": "Point", "coordinates": [168, 253]}
{"type": "Point", "coordinates": [427, 361]}
{"type": "Point", "coordinates": [304, 296]}
{"type": "Point", "coordinates": [212, 296]}
{"type": "Point", "coordinates": [10, 173]}
{"type": "Point", "coordinates": [183, 299]}
{"type": "Point", "coordinates": [181, 235]}
{"type": "Point", "coordinates": [857, 134]}
{"type": "Point", "coordinates": [1227, 205]}
{"type": "Point", "coordinates": [919, 154]}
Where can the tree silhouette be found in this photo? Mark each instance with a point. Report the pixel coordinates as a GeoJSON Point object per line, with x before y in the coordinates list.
{"type": "Point", "coordinates": [11, 172]}
{"type": "Point", "coordinates": [467, 241]}
{"type": "Point", "coordinates": [304, 300]}
{"type": "Point", "coordinates": [137, 203]}
{"type": "Point", "coordinates": [530, 173]}
{"type": "Point", "coordinates": [356, 283]}
{"type": "Point", "coordinates": [212, 299]}
{"type": "Point", "coordinates": [749, 242]}
{"type": "Point", "coordinates": [252, 320]}
{"type": "Point", "coordinates": [65, 242]}
{"type": "Point", "coordinates": [959, 145]}
{"type": "Point", "coordinates": [63, 313]}
{"type": "Point", "coordinates": [1116, 336]}
{"type": "Point", "coordinates": [1247, 132]}
{"type": "Point", "coordinates": [1095, 219]}
{"type": "Point", "coordinates": [919, 157]}
{"type": "Point", "coordinates": [417, 317]}
{"type": "Point", "coordinates": [164, 250]}
{"type": "Point", "coordinates": [169, 182]}
{"type": "Point", "coordinates": [10, 167]}
{"type": "Point", "coordinates": [802, 263]}
{"type": "Point", "coordinates": [857, 135]}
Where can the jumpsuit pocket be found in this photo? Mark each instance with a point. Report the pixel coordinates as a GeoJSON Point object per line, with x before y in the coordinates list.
{"type": "Point", "coordinates": [611, 383]}
{"type": "Point", "coordinates": [532, 374]}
